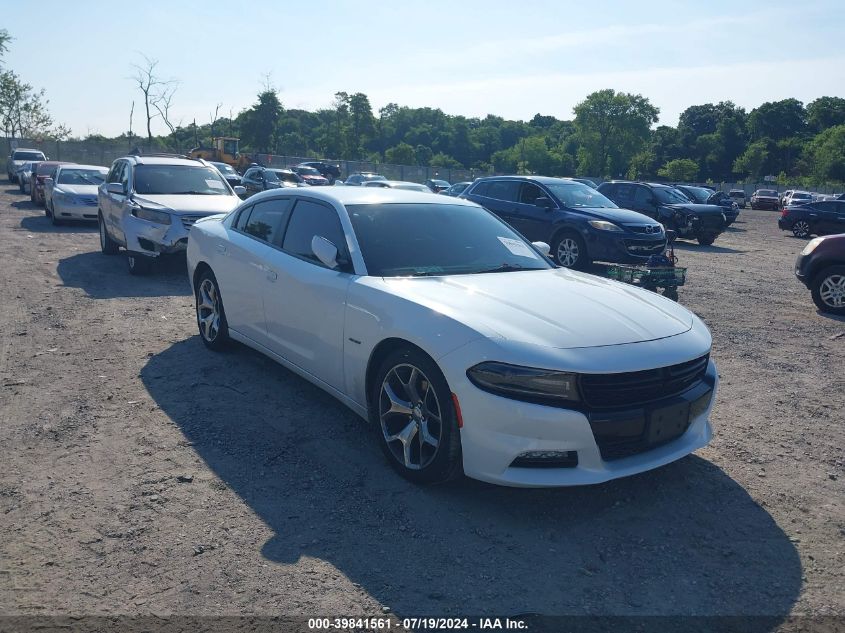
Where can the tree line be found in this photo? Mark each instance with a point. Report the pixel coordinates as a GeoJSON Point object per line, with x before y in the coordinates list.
{"type": "Point", "coordinates": [611, 135]}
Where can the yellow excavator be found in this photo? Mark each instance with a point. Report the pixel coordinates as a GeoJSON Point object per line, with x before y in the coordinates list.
{"type": "Point", "coordinates": [224, 149]}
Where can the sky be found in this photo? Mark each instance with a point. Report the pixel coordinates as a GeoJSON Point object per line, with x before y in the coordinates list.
{"type": "Point", "coordinates": [511, 59]}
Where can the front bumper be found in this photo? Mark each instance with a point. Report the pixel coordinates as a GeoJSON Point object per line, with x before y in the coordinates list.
{"type": "Point", "coordinates": [623, 248]}
{"type": "Point", "coordinates": [64, 209]}
{"type": "Point", "coordinates": [497, 430]}
{"type": "Point", "coordinates": [802, 269]}
{"type": "Point", "coordinates": [765, 204]}
{"type": "Point", "coordinates": [152, 239]}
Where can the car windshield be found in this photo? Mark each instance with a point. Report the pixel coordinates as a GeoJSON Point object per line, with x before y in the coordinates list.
{"type": "Point", "coordinates": [27, 156]}
{"type": "Point", "coordinates": [307, 170]}
{"type": "Point", "coordinates": [438, 239]}
{"type": "Point", "coordinates": [373, 177]}
{"type": "Point", "coordinates": [771, 193]}
{"type": "Point", "coordinates": [801, 196]}
{"type": "Point", "coordinates": [697, 194]}
{"type": "Point", "coordinates": [288, 176]}
{"type": "Point", "coordinates": [224, 168]}
{"type": "Point", "coordinates": [179, 180]}
{"type": "Point", "coordinates": [82, 176]}
{"type": "Point", "coordinates": [575, 194]}
{"type": "Point", "coordinates": [668, 195]}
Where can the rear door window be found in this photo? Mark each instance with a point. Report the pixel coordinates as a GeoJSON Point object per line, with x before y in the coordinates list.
{"type": "Point", "coordinates": [530, 192]}
{"type": "Point", "coordinates": [266, 220]}
{"type": "Point", "coordinates": [506, 190]}
{"type": "Point", "coordinates": [311, 218]}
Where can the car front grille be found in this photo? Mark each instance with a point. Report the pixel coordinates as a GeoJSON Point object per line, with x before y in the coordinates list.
{"type": "Point", "coordinates": [189, 220]}
{"type": "Point", "coordinates": [651, 229]}
{"type": "Point", "coordinates": [604, 391]}
{"type": "Point", "coordinates": [89, 202]}
{"type": "Point", "coordinates": [641, 247]}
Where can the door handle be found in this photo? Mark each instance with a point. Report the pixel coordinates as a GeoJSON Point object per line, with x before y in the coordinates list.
{"type": "Point", "coordinates": [272, 275]}
{"type": "Point", "coordinates": [221, 248]}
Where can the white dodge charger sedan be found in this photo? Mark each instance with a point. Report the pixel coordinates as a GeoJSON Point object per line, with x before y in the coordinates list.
{"type": "Point", "coordinates": [461, 341]}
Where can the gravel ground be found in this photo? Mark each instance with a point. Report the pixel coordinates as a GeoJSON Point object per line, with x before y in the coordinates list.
{"type": "Point", "coordinates": [142, 474]}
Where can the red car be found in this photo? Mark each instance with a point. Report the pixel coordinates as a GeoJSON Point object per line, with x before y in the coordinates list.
{"type": "Point", "coordinates": [310, 175]}
{"type": "Point", "coordinates": [46, 169]}
{"type": "Point", "coordinates": [765, 199]}
{"type": "Point", "coordinates": [821, 267]}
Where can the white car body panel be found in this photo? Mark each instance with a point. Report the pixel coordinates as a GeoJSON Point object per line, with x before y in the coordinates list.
{"type": "Point", "coordinates": [325, 325]}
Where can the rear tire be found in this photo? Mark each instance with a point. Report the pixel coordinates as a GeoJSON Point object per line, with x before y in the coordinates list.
{"type": "Point", "coordinates": [107, 245]}
{"type": "Point", "coordinates": [53, 219]}
{"type": "Point", "coordinates": [706, 240]}
{"type": "Point", "coordinates": [211, 316]}
{"type": "Point", "coordinates": [414, 416]}
{"type": "Point", "coordinates": [828, 290]}
{"type": "Point", "coordinates": [801, 228]}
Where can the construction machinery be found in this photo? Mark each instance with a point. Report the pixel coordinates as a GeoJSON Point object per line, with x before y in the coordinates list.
{"type": "Point", "coordinates": [224, 149]}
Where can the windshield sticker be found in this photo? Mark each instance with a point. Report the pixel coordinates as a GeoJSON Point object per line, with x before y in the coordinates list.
{"type": "Point", "coordinates": [516, 247]}
{"type": "Point", "coordinates": [215, 184]}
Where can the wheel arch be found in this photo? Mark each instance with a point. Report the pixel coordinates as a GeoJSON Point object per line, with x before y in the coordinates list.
{"type": "Point", "coordinates": [200, 268]}
{"type": "Point", "coordinates": [381, 351]}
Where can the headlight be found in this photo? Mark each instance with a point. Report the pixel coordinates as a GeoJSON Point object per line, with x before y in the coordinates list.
{"type": "Point", "coordinates": [525, 383]}
{"type": "Point", "coordinates": [601, 225]}
{"type": "Point", "coordinates": [811, 245]}
{"type": "Point", "coordinates": [150, 215]}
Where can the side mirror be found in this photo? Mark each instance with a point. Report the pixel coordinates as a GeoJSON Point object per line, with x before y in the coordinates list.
{"type": "Point", "coordinates": [544, 203]}
{"type": "Point", "coordinates": [671, 236]}
{"type": "Point", "coordinates": [115, 187]}
{"type": "Point", "coordinates": [325, 251]}
{"type": "Point", "coordinates": [544, 248]}
{"type": "Point", "coordinates": [48, 181]}
{"type": "Point", "coordinates": [240, 190]}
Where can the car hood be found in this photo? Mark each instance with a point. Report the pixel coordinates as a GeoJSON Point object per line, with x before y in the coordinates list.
{"type": "Point", "coordinates": [620, 216]}
{"type": "Point", "coordinates": [190, 204]}
{"type": "Point", "coordinates": [557, 308]}
{"type": "Point", "coordinates": [693, 207]}
{"type": "Point", "coordinates": [78, 190]}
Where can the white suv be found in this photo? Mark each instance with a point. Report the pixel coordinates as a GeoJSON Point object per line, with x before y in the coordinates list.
{"type": "Point", "coordinates": [148, 204]}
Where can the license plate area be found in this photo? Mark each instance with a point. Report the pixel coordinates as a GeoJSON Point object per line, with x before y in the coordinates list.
{"type": "Point", "coordinates": [668, 423]}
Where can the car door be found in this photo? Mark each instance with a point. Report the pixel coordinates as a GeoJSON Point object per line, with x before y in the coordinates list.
{"type": "Point", "coordinates": [112, 214]}
{"type": "Point", "coordinates": [826, 217]}
{"type": "Point", "coordinates": [242, 264]}
{"type": "Point", "coordinates": [501, 198]}
{"type": "Point", "coordinates": [251, 182]}
{"type": "Point", "coordinates": [644, 202]}
{"type": "Point", "coordinates": [304, 301]}
{"type": "Point", "coordinates": [534, 222]}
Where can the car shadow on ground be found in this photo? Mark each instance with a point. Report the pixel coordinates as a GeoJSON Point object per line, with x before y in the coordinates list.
{"type": "Point", "coordinates": [42, 224]}
{"type": "Point", "coordinates": [15, 190]}
{"type": "Point", "coordinates": [685, 539]}
{"type": "Point", "coordinates": [713, 248]}
{"type": "Point", "coordinates": [27, 205]}
{"type": "Point", "coordinates": [106, 277]}
{"type": "Point", "coordinates": [734, 229]}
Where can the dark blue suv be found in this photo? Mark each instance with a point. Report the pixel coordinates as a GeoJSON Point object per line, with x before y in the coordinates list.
{"type": "Point", "coordinates": [579, 223]}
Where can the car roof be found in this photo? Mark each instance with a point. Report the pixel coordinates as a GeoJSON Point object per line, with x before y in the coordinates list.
{"type": "Point", "coordinates": [546, 180]}
{"type": "Point", "coordinates": [398, 182]}
{"type": "Point", "coordinates": [364, 195]}
{"type": "Point", "coordinates": [26, 149]}
{"type": "Point", "coordinates": [75, 166]}
{"type": "Point", "coordinates": [165, 160]}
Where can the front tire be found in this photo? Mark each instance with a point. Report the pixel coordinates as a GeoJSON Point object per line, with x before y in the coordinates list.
{"type": "Point", "coordinates": [211, 317]}
{"type": "Point", "coordinates": [107, 245]}
{"type": "Point", "coordinates": [570, 251]}
{"type": "Point", "coordinates": [53, 219]}
{"type": "Point", "coordinates": [706, 240]}
{"type": "Point", "coordinates": [412, 408]}
{"type": "Point", "coordinates": [828, 290]}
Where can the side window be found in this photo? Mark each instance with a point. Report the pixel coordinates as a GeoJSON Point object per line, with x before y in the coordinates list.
{"type": "Point", "coordinates": [124, 176]}
{"type": "Point", "coordinates": [266, 220]}
{"type": "Point", "coordinates": [507, 190]}
{"type": "Point", "coordinates": [480, 189]}
{"type": "Point", "coordinates": [310, 219]}
{"type": "Point", "coordinates": [643, 198]}
{"type": "Point", "coordinates": [530, 192]}
{"type": "Point", "coordinates": [250, 174]}
{"type": "Point", "coordinates": [242, 219]}
{"type": "Point", "coordinates": [114, 174]}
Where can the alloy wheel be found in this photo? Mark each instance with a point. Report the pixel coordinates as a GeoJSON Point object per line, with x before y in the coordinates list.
{"type": "Point", "coordinates": [801, 228]}
{"type": "Point", "coordinates": [411, 417]}
{"type": "Point", "coordinates": [102, 235]}
{"type": "Point", "coordinates": [568, 252]}
{"type": "Point", "coordinates": [832, 291]}
{"type": "Point", "coordinates": [208, 310]}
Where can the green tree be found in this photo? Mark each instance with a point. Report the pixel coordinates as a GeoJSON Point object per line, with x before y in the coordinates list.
{"type": "Point", "coordinates": [777, 120]}
{"type": "Point", "coordinates": [826, 155]}
{"type": "Point", "coordinates": [612, 127]}
{"type": "Point", "coordinates": [825, 112]}
{"type": "Point", "coordinates": [402, 154]}
{"type": "Point", "coordinates": [444, 160]}
{"type": "Point", "coordinates": [754, 160]}
{"type": "Point", "coordinates": [258, 124]}
{"type": "Point", "coordinates": [23, 110]}
{"type": "Point", "coordinates": [680, 169]}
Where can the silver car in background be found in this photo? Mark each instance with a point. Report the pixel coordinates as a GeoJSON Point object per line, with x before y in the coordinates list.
{"type": "Point", "coordinates": [24, 174]}
{"type": "Point", "coordinates": [72, 193]}
{"type": "Point", "coordinates": [397, 184]}
{"type": "Point", "coordinates": [149, 203]}
{"type": "Point", "coordinates": [19, 157]}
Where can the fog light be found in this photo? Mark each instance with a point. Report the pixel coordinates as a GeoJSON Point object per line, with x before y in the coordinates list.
{"type": "Point", "coordinates": [546, 459]}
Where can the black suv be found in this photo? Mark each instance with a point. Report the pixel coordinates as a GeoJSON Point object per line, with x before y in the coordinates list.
{"type": "Point", "coordinates": [579, 223]}
{"type": "Point", "coordinates": [670, 207]}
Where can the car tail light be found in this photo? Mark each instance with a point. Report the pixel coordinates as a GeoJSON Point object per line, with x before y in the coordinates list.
{"type": "Point", "coordinates": [783, 212]}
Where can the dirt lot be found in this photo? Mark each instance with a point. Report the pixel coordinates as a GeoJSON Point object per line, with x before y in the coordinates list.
{"type": "Point", "coordinates": [142, 474]}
